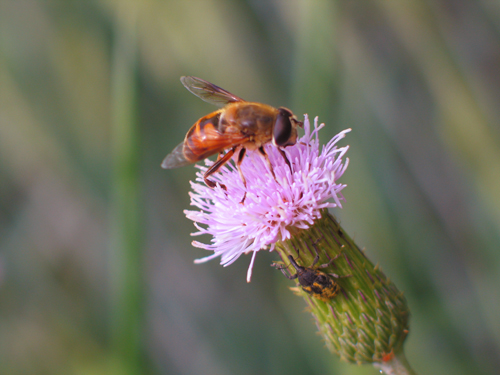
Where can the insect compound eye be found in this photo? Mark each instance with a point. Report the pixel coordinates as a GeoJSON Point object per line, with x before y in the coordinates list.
{"type": "Point", "coordinates": [282, 131]}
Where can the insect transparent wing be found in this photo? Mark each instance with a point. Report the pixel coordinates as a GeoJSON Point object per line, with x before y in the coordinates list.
{"type": "Point", "coordinates": [209, 92]}
{"type": "Point", "coordinates": [176, 158]}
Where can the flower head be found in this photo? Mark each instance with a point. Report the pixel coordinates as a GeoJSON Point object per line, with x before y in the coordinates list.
{"type": "Point", "coordinates": [272, 206]}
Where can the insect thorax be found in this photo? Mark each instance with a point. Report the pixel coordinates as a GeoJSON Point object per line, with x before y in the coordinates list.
{"type": "Point", "coordinates": [250, 118]}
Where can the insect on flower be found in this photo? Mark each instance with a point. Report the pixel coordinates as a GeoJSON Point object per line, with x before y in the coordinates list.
{"type": "Point", "coordinates": [313, 281]}
{"type": "Point", "coordinates": [235, 128]}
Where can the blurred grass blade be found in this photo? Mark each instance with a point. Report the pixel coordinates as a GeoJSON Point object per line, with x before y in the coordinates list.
{"type": "Point", "coordinates": [126, 262]}
{"type": "Point", "coordinates": [314, 59]}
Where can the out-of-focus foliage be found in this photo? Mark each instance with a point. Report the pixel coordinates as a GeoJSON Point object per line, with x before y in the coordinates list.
{"type": "Point", "coordinates": [418, 81]}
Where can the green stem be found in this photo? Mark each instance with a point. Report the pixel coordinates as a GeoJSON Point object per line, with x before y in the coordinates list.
{"type": "Point", "coordinates": [398, 365]}
{"type": "Point", "coordinates": [126, 260]}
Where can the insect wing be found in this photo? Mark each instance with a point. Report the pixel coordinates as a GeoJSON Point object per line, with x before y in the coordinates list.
{"type": "Point", "coordinates": [204, 138]}
{"type": "Point", "coordinates": [209, 92]}
{"type": "Point", "coordinates": [176, 158]}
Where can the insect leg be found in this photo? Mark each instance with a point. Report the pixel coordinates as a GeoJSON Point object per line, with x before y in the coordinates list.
{"type": "Point", "coordinates": [241, 155]}
{"type": "Point", "coordinates": [215, 167]}
{"type": "Point", "coordinates": [338, 276]}
{"type": "Point", "coordinates": [286, 159]}
{"type": "Point", "coordinates": [238, 165]}
{"type": "Point", "coordinates": [282, 269]}
{"type": "Point", "coordinates": [263, 153]}
{"type": "Point", "coordinates": [316, 259]}
{"type": "Point", "coordinates": [326, 264]}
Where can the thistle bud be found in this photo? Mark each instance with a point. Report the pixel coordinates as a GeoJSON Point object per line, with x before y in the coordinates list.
{"type": "Point", "coordinates": [367, 320]}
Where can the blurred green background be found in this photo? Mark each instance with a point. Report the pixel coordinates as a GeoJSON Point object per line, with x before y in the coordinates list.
{"type": "Point", "coordinates": [96, 265]}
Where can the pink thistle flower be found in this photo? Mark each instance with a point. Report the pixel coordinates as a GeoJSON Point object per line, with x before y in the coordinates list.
{"type": "Point", "coordinates": [294, 199]}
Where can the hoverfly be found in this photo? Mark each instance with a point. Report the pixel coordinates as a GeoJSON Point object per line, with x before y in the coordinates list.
{"type": "Point", "coordinates": [235, 128]}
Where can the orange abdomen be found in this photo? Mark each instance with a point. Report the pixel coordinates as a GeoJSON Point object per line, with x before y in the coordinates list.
{"type": "Point", "coordinates": [203, 139]}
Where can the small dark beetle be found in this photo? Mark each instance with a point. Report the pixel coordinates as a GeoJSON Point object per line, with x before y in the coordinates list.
{"type": "Point", "coordinates": [313, 281]}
